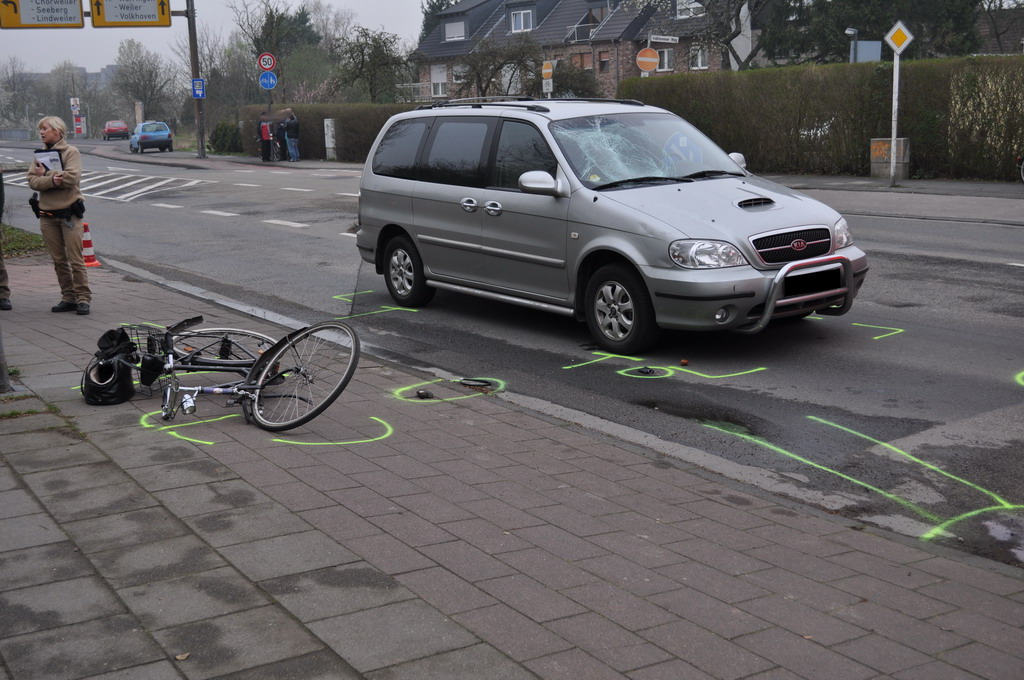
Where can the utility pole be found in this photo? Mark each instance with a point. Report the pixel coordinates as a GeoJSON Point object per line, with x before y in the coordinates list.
{"type": "Point", "coordinates": [193, 50]}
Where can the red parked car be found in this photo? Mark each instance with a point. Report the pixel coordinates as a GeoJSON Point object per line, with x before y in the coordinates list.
{"type": "Point", "coordinates": [115, 129]}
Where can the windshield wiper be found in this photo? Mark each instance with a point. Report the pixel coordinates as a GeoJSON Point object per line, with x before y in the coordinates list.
{"type": "Point", "coordinates": [650, 179]}
{"type": "Point", "coordinates": [700, 174]}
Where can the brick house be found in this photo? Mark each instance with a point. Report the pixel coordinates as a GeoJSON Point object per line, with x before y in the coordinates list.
{"type": "Point", "coordinates": [602, 35]}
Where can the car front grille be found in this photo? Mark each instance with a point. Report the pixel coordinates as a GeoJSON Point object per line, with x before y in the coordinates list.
{"type": "Point", "coordinates": [791, 246]}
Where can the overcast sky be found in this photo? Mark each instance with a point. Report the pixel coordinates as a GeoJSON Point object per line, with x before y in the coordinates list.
{"type": "Point", "coordinates": [42, 48]}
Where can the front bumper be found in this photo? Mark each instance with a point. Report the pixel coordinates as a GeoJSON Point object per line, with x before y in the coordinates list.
{"type": "Point", "coordinates": [747, 299]}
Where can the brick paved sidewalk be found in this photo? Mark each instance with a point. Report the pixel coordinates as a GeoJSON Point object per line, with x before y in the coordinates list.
{"type": "Point", "coordinates": [454, 537]}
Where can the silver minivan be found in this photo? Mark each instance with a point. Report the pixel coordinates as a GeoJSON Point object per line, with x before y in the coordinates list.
{"type": "Point", "coordinates": [612, 212]}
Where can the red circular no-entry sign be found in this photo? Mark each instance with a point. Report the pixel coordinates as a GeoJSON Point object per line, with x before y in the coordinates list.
{"type": "Point", "coordinates": [647, 59]}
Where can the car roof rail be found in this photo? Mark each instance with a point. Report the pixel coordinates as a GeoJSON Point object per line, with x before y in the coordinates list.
{"type": "Point", "coordinates": [525, 102]}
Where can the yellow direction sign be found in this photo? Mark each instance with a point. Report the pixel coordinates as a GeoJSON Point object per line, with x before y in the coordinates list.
{"type": "Point", "coordinates": [898, 37]}
{"type": "Point", "coordinates": [122, 13]}
{"type": "Point", "coordinates": [41, 14]}
{"type": "Point", "coordinates": [547, 70]}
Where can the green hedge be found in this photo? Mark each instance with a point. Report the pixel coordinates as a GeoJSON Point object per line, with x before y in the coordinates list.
{"type": "Point", "coordinates": [355, 128]}
{"type": "Point", "coordinates": [964, 117]}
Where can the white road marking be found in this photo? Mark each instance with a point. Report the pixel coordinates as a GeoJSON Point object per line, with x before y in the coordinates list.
{"type": "Point", "coordinates": [219, 213]}
{"type": "Point", "coordinates": [339, 193]}
{"type": "Point", "coordinates": [345, 233]}
{"type": "Point", "coordinates": [244, 184]}
{"type": "Point", "coordinates": [1016, 264]}
{"type": "Point", "coordinates": [283, 223]}
{"type": "Point", "coordinates": [115, 188]}
{"type": "Point", "coordinates": [166, 205]}
{"type": "Point", "coordinates": [294, 189]}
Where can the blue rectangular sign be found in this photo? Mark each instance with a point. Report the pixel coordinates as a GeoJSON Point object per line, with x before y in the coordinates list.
{"type": "Point", "coordinates": [198, 88]}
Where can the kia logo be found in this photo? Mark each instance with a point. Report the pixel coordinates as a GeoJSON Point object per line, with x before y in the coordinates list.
{"type": "Point", "coordinates": [798, 244]}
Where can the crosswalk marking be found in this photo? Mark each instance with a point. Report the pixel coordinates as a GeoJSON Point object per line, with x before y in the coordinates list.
{"type": "Point", "coordinates": [219, 213]}
{"type": "Point", "coordinates": [121, 186]}
{"type": "Point", "coordinates": [286, 224]}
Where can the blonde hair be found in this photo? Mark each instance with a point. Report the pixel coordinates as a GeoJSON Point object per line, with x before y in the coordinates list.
{"type": "Point", "coordinates": [54, 122]}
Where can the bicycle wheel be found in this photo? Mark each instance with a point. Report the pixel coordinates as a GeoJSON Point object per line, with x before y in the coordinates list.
{"type": "Point", "coordinates": [301, 376]}
{"type": "Point", "coordinates": [230, 347]}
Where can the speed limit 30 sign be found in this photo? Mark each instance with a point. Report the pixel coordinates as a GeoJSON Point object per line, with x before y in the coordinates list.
{"type": "Point", "coordinates": [267, 61]}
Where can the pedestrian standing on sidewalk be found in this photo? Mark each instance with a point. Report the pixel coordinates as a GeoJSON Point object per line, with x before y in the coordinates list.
{"type": "Point", "coordinates": [291, 129]}
{"type": "Point", "coordinates": [60, 210]}
{"type": "Point", "coordinates": [266, 135]}
{"type": "Point", "coordinates": [5, 290]}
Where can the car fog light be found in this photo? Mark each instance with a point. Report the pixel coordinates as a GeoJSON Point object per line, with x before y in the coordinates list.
{"type": "Point", "coordinates": [722, 315]}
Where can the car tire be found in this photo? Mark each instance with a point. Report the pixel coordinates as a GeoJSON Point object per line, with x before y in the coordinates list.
{"type": "Point", "coordinates": [618, 310]}
{"type": "Point", "coordinates": [403, 273]}
{"type": "Point", "coordinates": [132, 149]}
{"type": "Point", "coordinates": [170, 147]}
{"type": "Point", "coordinates": [163, 149]}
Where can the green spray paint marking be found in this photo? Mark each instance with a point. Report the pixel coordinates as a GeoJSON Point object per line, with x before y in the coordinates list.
{"type": "Point", "coordinates": [382, 310]}
{"type": "Point", "coordinates": [347, 297]}
{"type": "Point", "coordinates": [498, 386]}
{"type": "Point", "coordinates": [777, 449]}
{"type": "Point", "coordinates": [666, 371]}
{"type": "Point", "coordinates": [1019, 379]}
{"type": "Point", "coordinates": [172, 429]}
{"type": "Point", "coordinates": [895, 331]}
{"type": "Point", "coordinates": [388, 431]}
{"type": "Point", "coordinates": [924, 463]}
{"type": "Point", "coordinates": [941, 525]}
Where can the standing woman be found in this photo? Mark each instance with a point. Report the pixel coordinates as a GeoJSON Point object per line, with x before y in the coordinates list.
{"type": "Point", "coordinates": [60, 216]}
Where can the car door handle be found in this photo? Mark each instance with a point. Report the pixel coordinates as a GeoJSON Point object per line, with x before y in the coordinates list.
{"type": "Point", "coordinates": [469, 204]}
{"type": "Point", "coordinates": [492, 208]}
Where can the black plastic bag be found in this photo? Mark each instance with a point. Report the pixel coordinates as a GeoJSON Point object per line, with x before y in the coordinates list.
{"type": "Point", "coordinates": [108, 381]}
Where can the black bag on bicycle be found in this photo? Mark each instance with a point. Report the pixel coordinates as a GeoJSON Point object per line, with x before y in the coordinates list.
{"type": "Point", "coordinates": [108, 377]}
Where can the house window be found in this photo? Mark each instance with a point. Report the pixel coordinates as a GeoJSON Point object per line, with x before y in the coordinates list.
{"type": "Point", "coordinates": [604, 60]}
{"type": "Point", "coordinates": [583, 61]}
{"type": "Point", "coordinates": [698, 58]}
{"type": "Point", "coordinates": [666, 60]}
{"type": "Point", "coordinates": [688, 8]}
{"type": "Point", "coordinates": [522, 20]}
{"type": "Point", "coordinates": [439, 80]}
{"type": "Point", "coordinates": [596, 15]}
{"type": "Point", "coordinates": [455, 30]}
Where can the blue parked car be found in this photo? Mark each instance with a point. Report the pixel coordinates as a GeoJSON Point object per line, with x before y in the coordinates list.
{"type": "Point", "coordinates": [151, 135]}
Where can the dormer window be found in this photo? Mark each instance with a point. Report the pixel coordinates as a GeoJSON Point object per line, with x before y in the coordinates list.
{"type": "Point", "coordinates": [686, 9]}
{"type": "Point", "coordinates": [521, 20]}
{"type": "Point", "coordinates": [455, 30]}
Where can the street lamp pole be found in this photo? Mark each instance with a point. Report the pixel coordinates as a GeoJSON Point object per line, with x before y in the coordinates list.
{"type": "Point", "coordinates": [853, 33]}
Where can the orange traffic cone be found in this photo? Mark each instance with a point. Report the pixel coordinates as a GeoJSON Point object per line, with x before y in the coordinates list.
{"type": "Point", "coordinates": [87, 251]}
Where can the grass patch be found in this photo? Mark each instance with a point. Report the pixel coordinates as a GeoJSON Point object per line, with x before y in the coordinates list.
{"type": "Point", "coordinates": [16, 242]}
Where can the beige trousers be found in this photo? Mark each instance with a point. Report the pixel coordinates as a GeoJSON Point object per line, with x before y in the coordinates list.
{"type": "Point", "coordinates": [65, 246]}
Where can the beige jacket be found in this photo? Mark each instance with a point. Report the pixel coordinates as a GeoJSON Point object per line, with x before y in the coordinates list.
{"type": "Point", "coordinates": [52, 197]}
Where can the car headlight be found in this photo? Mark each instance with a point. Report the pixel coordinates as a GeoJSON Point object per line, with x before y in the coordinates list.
{"type": "Point", "coordinates": [843, 237]}
{"type": "Point", "coordinates": [694, 254]}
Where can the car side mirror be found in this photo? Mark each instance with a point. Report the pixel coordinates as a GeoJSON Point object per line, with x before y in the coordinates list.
{"type": "Point", "coordinates": [539, 182]}
{"type": "Point", "coordinates": [739, 159]}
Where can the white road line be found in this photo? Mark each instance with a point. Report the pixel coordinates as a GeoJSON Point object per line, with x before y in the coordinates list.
{"type": "Point", "coordinates": [283, 223]}
{"type": "Point", "coordinates": [345, 233]}
{"type": "Point", "coordinates": [280, 172]}
{"type": "Point", "coordinates": [294, 189]}
{"type": "Point", "coordinates": [166, 205]}
{"type": "Point", "coordinates": [245, 184]}
{"type": "Point", "coordinates": [219, 213]}
{"type": "Point", "coordinates": [115, 188]}
{"type": "Point", "coordinates": [339, 193]}
{"type": "Point", "coordinates": [245, 171]}
{"type": "Point", "coordinates": [1016, 264]}
{"type": "Point", "coordinates": [128, 197]}
{"type": "Point", "coordinates": [115, 169]}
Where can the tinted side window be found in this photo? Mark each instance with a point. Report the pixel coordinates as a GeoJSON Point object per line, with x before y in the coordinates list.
{"type": "Point", "coordinates": [521, 148]}
{"type": "Point", "coordinates": [457, 152]}
{"type": "Point", "coordinates": [396, 154]}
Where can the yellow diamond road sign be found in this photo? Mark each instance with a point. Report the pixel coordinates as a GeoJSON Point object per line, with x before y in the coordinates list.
{"type": "Point", "coordinates": [122, 13]}
{"type": "Point", "coordinates": [41, 14]}
{"type": "Point", "coordinates": [898, 37]}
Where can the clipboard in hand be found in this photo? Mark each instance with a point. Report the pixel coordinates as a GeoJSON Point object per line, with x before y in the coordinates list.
{"type": "Point", "coordinates": [49, 159]}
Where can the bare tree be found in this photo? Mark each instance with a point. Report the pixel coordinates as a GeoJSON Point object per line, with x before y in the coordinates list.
{"type": "Point", "coordinates": [334, 24]}
{"type": "Point", "coordinates": [1003, 18]}
{"type": "Point", "coordinates": [142, 77]}
{"type": "Point", "coordinates": [373, 60]}
{"type": "Point", "coordinates": [500, 68]}
{"type": "Point", "coordinates": [12, 90]}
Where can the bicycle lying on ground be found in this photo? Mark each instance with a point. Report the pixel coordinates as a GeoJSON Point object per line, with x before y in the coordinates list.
{"type": "Point", "coordinates": [282, 384]}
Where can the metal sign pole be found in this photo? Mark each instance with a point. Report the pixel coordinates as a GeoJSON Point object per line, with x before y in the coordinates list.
{"type": "Point", "coordinates": [895, 117]}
